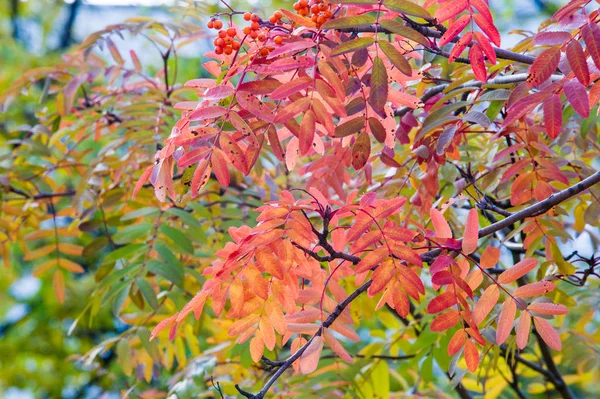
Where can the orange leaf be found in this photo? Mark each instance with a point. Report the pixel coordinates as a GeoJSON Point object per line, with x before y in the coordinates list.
{"type": "Point", "coordinates": [517, 271]}
{"type": "Point", "coordinates": [162, 325]}
{"type": "Point", "coordinates": [58, 283]}
{"type": "Point", "coordinates": [450, 9]}
{"type": "Point", "coordinates": [441, 302]}
{"type": "Point", "coordinates": [523, 329]}
{"type": "Point", "coordinates": [505, 321]}
{"type": "Point", "coordinates": [548, 333]}
{"type": "Point", "coordinates": [372, 259]}
{"type": "Point", "coordinates": [553, 115]}
{"type": "Point", "coordinates": [309, 360]}
{"type": "Point", "coordinates": [440, 225]}
{"type": "Point", "coordinates": [336, 347]}
{"type": "Point", "coordinates": [548, 308]}
{"type": "Point", "coordinates": [471, 355]}
{"type": "Point", "coordinates": [471, 235]}
{"type": "Point", "coordinates": [456, 342]}
{"type": "Point", "coordinates": [257, 348]}
{"type": "Point", "coordinates": [534, 289]}
{"type": "Point", "coordinates": [486, 303]}
{"type": "Point", "coordinates": [445, 321]}
{"type": "Point", "coordinates": [219, 165]}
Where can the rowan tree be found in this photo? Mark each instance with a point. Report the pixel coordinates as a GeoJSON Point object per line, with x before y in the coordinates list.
{"type": "Point", "coordinates": [357, 198]}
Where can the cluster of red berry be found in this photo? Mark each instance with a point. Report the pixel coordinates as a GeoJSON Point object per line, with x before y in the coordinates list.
{"type": "Point", "coordinates": [225, 41]}
{"type": "Point", "coordinates": [320, 11]}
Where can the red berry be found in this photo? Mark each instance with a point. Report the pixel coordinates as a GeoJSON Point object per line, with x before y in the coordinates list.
{"type": "Point", "coordinates": [247, 16]}
{"type": "Point", "coordinates": [210, 24]}
{"type": "Point", "coordinates": [231, 32]}
{"type": "Point", "coordinates": [247, 30]}
{"type": "Point", "coordinates": [278, 40]}
{"type": "Point", "coordinates": [222, 34]}
{"type": "Point", "coordinates": [255, 18]}
{"type": "Point", "coordinates": [228, 50]}
{"type": "Point", "coordinates": [255, 26]}
{"type": "Point", "coordinates": [218, 50]}
{"type": "Point", "coordinates": [218, 24]}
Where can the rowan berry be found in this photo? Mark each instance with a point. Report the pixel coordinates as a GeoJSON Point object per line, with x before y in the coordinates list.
{"type": "Point", "coordinates": [255, 18]}
{"type": "Point", "coordinates": [255, 25]}
{"type": "Point", "coordinates": [247, 16]}
{"type": "Point", "coordinates": [231, 32]}
{"type": "Point", "coordinates": [217, 24]}
{"type": "Point", "coordinates": [218, 50]}
{"type": "Point", "coordinates": [222, 34]}
{"type": "Point", "coordinates": [227, 50]}
{"type": "Point", "coordinates": [210, 24]}
{"type": "Point", "coordinates": [247, 30]}
{"type": "Point", "coordinates": [278, 40]}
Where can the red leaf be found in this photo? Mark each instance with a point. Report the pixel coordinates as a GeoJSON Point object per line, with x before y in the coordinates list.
{"type": "Point", "coordinates": [523, 329]}
{"type": "Point", "coordinates": [450, 9]}
{"type": "Point", "coordinates": [544, 65]}
{"type": "Point", "coordinates": [307, 132]}
{"type": "Point", "coordinates": [477, 62]}
{"type": "Point", "coordinates": [309, 360]}
{"type": "Point", "coordinates": [505, 321]}
{"type": "Point", "coordinates": [361, 150]}
{"type": "Point", "coordinates": [488, 28]}
{"type": "Point", "coordinates": [591, 37]}
{"type": "Point", "coordinates": [486, 303]}
{"type": "Point", "coordinates": [548, 333]}
{"type": "Point", "coordinates": [441, 226]}
{"type": "Point", "coordinates": [548, 308]}
{"type": "Point", "coordinates": [445, 321]}
{"type": "Point", "coordinates": [219, 165]}
{"type": "Point", "coordinates": [471, 235]}
{"type": "Point", "coordinates": [201, 176]}
{"type": "Point", "coordinates": [486, 46]}
{"type": "Point", "coordinates": [578, 97]}
{"type": "Point", "coordinates": [143, 179]}
{"type": "Point", "coordinates": [233, 152]}
{"type": "Point", "coordinates": [553, 115]}
{"type": "Point", "coordinates": [441, 302]}
{"type": "Point", "coordinates": [460, 46]}
{"type": "Point", "coordinates": [517, 271]}
{"type": "Point", "coordinates": [534, 289]}
{"type": "Point", "coordinates": [471, 355]}
{"type": "Point", "coordinates": [578, 62]}
{"type": "Point", "coordinates": [162, 325]}
{"type": "Point", "coordinates": [454, 30]}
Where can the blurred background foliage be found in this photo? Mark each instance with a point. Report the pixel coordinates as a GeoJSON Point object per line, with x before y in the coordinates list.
{"type": "Point", "coordinates": [94, 343]}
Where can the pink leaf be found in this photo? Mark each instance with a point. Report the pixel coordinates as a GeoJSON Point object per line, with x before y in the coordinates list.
{"type": "Point", "coordinates": [471, 235]}
{"type": "Point", "coordinates": [523, 329]}
{"type": "Point", "coordinates": [578, 97]}
{"type": "Point", "coordinates": [548, 333]}
{"type": "Point", "coordinates": [553, 115]}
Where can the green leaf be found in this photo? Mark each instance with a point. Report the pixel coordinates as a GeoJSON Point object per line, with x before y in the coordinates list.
{"type": "Point", "coordinates": [150, 346]}
{"type": "Point", "coordinates": [131, 233]}
{"type": "Point", "coordinates": [352, 45]}
{"type": "Point", "coordinates": [124, 356]}
{"type": "Point", "coordinates": [147, 292]}
{"type": "Point", "coordinates": [171, 272]}
{"type": "Point", "coordinates": [355, 21]}
{"type": "Point", "coordinates": [395, 57]}
{"type": "Point", "coordinates": [408, 8]}
{"type": "Point", "coordinates": [125, 252]}
{"type": "Point", "coordinates": [400, 29]}
{"type": "Point", "coordinates": [179, 239]}
{"type": "Point", "coordinates": [379, 86]}
{"type": "Point", "coordinates": [147, 211]}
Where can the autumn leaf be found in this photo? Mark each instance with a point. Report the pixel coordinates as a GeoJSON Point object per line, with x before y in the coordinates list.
{"type": "Point", "coordinates": [471, 234]}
